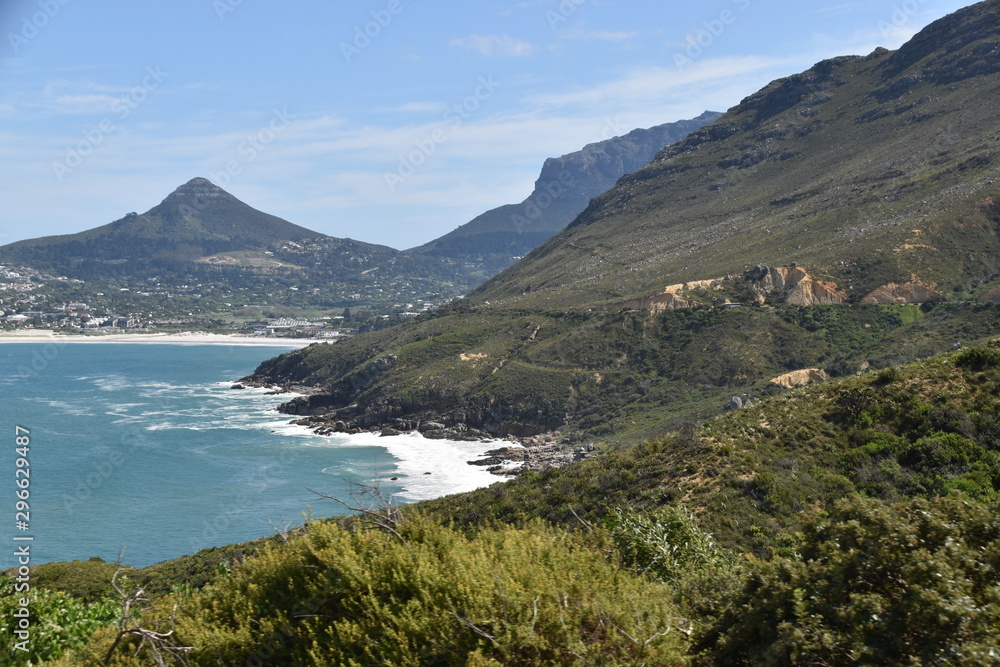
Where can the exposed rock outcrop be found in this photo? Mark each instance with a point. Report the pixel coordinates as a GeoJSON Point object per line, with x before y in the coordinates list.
{"type": "Point", "coordinates": [656, 303]}
{"type": "Point", "coordinates": [801, 288]}
{"type": "Point", "coordinates": [910, 292]}
{"type": "Point", "coordinates": [990, 296]}
{"type": "Point", "coordinates": [809, 292]}
{"type": "Point", "coordinates": [801, 377]}
{"type": "Point", "coordinates": [740, 402]}
{"type": "Point", "coordinates": [669, 299]}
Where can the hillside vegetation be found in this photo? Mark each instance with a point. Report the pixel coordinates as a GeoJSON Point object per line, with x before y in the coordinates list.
{"type": "Point", "coordinates": [843, 225]}
{"type": "Point", "coordinates": [862, 192]}
{"type": "Point", "coordinates": [846, 522]}
{"type": "Point", "coordinates": [864, 170]}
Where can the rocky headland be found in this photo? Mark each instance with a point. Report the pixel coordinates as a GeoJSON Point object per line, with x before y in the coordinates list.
{"type": "Point", "coordinates": [530, 447]}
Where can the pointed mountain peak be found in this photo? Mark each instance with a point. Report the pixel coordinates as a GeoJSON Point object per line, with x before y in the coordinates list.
{"type": "Point", "coordinates": [197, 187]}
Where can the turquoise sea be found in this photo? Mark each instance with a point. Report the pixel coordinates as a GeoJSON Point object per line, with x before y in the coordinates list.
{"type": "Point", "coordinates": [146, 447]}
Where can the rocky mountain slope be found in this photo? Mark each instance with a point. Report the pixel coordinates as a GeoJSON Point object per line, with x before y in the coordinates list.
{"type": "Point", "coordinates": [863, 170]}
{"type": "Point", "coordinates": [843, 217]}
{"type": "Point", "coordinates": [494, 240]}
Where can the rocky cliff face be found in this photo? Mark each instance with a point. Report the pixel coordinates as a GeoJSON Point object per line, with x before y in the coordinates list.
{"type": "Point", "coordinates": [801, 288]}
{"type": "Point", "coordinates": [909, 292]}
{"type": "Point", "coordinates": [563, 189]}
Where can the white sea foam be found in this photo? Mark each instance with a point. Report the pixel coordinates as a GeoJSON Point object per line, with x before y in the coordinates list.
{"type": "Point", "coordinates": [445, 460]}
{"type": "Point", "coordinates": [111, 382]}
{"type": "Point", "coordinates": [66, 408]}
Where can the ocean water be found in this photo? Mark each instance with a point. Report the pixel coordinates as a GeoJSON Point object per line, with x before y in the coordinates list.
{"type": "Point", "coordinates": [147, 448]}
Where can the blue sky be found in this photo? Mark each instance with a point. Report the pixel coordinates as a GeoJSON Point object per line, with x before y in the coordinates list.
{"type": "Point", "coordinates": [387, 121]}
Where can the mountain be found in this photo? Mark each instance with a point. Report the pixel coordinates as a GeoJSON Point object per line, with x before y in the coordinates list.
{"type": "Point", "coordinates": [200, 234]}
{"type": "Point", "coordinates": [204, 253]}
{"type": "Point", "coordinates": [841, 218]}
{"type": "Point", "coordinates": [864, 170]}
{"type": "Point", "coordinates": [497, 238]}
{"type": "Point", "coordinates": [196, 221]}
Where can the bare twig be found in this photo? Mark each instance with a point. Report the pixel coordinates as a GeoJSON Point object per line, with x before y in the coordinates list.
{"type": "Point", "coordinates": [134, 603]}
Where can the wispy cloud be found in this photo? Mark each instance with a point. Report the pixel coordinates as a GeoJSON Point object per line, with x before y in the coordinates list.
{"type": "Point", "coordinates": [81, 103]}
{"type": "Point", "coordinates": [581, 34]}
{"type": "Point", "coordinates": [843, 9]}
{"type": "Point", "coordinates": [494, 46]}
{"type": "Point", "coordinates": [422, 107]}
{"type": "Point", "coordinates": [654, 84]}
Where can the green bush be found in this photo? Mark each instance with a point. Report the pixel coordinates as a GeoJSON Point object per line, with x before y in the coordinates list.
{"type": "Point", "coordinates": [532, 596]}
{"type": "Point", "coordinates": [664, 544]}
{"type": "Point", "coordinates": [876, 584]}
{"type": "Point", "coordinates": [978, 358]}
{"type": "Point", "coordinates": [58, 623]}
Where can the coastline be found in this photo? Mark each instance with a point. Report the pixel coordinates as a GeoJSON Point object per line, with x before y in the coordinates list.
{"type": "Point", "coordinates": [182, 338]}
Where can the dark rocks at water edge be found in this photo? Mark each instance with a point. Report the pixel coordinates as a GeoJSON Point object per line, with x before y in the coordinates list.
{"type": "Point", "coordinates": [512, 461]}
{"type": "Point", "coordinates": [536, 452]}
{"type": "Point", "coordinates": [540, 448]}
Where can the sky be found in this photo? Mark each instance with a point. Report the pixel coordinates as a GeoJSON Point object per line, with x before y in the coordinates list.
{"type": "Point", "coordinates": [386, 121]}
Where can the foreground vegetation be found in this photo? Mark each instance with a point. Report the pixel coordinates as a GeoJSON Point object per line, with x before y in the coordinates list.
{"type": "Point", "coordinates": [846, 523]}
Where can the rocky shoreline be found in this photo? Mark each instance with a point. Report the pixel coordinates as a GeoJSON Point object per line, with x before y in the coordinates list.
{"type": "Point", "coordinates": [529, 451]}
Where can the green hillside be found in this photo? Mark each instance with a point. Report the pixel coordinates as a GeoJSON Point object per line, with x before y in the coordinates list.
{"type": "Point", "coordinates": [771, 535]}
{"type": "Point", "coordinates": [839, 227]}
{"type": "Point", "coordinates": [812, 226]}
{"type": "Point", "coordinates": [863, 170]}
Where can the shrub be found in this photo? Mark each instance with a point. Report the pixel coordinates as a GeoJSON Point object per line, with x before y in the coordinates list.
{"type": "Point", "coordinates": [664, 544]}
{"type": "Point", "coordinates": [978, 358]}
{"type": "Point", "coordinates": [531, 596]}
{"type": "Point", "coordinates": [58, 622]}
{"type": "Point", "coordinates": [914, 583]}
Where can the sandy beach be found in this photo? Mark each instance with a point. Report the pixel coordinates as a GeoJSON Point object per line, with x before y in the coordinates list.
{"type": "Point", "coordinates": [183, 338]}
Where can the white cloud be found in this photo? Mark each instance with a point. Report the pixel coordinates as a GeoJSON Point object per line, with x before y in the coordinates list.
{"type": "Point", "coordinates": [579, 33]}
{"type": "Point", "coordinates": [641, 87]}
{"type": "Point", "coordinates": [422, 107]}
{"type": "Point", "coordinates": [844, 9]}
{"type": "Point", "coordinates": [496, 45]}
{"type": "Point", "coordinates": [82, 103]}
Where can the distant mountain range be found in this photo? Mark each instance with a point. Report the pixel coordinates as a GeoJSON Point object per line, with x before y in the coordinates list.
{"type": "Point", "coordinates": [496, 239]}
{"type": "Point", "coordinates": [196, 223]}
{"type": "Point", "coordinates": [201, 233]}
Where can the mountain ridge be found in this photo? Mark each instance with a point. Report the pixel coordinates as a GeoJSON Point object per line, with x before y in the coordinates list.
{"type": "Point", "coordinates": [838, 218]}
{"type": "Point", "coordinates": [898, 139]}
{"type": "Point", "coordinates": [562, 190]}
